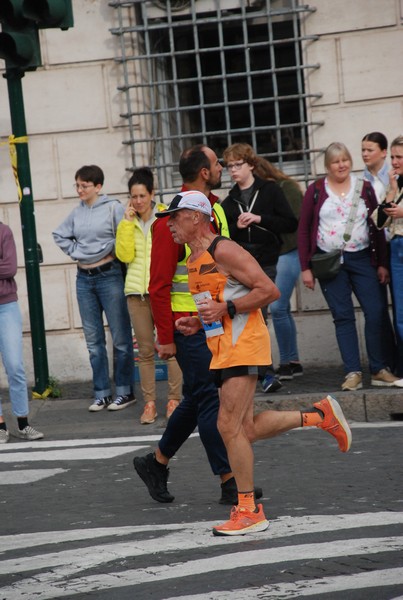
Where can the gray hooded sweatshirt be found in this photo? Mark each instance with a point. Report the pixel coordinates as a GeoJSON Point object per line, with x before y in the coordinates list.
{"type": "Point", "coordinates": [88, 234]}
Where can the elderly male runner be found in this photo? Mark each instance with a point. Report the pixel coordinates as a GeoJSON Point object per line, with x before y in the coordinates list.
{"type": "Point", "coordinates": [236, 288]}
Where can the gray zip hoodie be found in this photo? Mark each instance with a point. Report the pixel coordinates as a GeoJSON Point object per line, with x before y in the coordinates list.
{"type": "Point", "coordinates": [88, 234]}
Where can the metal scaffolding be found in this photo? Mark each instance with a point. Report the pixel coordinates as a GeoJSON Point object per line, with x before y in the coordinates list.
{"type": "Point", "coordinates": [215, 72]}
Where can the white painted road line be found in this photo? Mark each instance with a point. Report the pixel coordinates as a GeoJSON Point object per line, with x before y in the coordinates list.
{"type": "Point", "coordinates": [142, 439]}
{"type": "Point", "coordinates": [53, 584]}
{"type": "Point", "coordinates": [28, 476]}
{"type": "Point", "coordinates": [38, 445]}
{"type": "Point", "coordinates": [68, 454]}
{"type": "Point", "coordinates": [182, 534]}
{"type": "Point", "coordinates": [308, 587]}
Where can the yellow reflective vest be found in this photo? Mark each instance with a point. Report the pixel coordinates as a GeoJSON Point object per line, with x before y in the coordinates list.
{"type": "Point", "coordinates": [181, 299]}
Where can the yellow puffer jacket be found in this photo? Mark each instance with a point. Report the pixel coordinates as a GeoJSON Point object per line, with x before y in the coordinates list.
{"type": "Point", "coordinates": [134, 249]}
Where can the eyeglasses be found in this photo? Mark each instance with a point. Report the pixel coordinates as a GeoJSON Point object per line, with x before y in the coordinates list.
{"type": "Point", "coordinates": [83, 186]}
{"type": "Point", "coordinates": [235, 166]}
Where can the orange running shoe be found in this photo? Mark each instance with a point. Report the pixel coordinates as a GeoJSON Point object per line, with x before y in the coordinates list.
{"type": "Point", "coordinates": [243, 521]}
{"type": "Point", "coordinates": [334, 422]}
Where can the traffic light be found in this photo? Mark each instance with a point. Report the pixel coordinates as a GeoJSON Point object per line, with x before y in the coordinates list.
{"type": "Point", "coordinates": [49, 13]}
{"type": "Point", "coordinates": [20, 21]}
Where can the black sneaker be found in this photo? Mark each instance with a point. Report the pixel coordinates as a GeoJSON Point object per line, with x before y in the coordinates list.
{"type": "Point", "coordinates": [285, 372]}
{"type": "Point", "coordinates": [229, 492]}
{"type": "Point", "coordinates": [155, 477]}
{"type": "Point", "coordinates": [122, 402]}
{"type": "Point", "coordinates": [297, 369]}
{"type": "Point", "coordinates": [100, 403]}
{"type": "Point", "coordinates": [271, 384]}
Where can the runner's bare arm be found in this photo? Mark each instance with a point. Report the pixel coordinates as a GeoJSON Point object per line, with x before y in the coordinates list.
{"type": "Point", "coordinates": [236, 262]}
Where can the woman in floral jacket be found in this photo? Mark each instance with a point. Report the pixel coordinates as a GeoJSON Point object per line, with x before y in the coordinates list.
{"type": "Point", "coordinates": [324, 225]}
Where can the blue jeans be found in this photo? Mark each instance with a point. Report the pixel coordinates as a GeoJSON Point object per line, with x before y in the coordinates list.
{"type": "Point", "coordinates": [98, 294]}
{"type": "Point", "coordinates": [357, 276]}
{"type": "Point", "coordinates": [396, 300]}
{"type": "Point", "coordinates": [288, 271]}
{"type": "Point", "coordinates": [271, 271]}
{"type": "Point", "coordinates": [389, 337]}
{"type": "Point", "coordinates": [396, 264]}
{"type": "Point", "coordinates": [12, 355]}
{"type": "Point", "coordinates": [199, 405]}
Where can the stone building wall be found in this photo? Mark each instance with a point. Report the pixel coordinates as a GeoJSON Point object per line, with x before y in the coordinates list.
{"type": "Point", "coordinates": [73, 110]}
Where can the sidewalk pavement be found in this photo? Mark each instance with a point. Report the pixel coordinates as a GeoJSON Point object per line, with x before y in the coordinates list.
{"type": "Point", "coordinates": [62, 418]}
{"type": "Point", "coordinates": [370, 404]}
{"type": "Point", "coordinates": [68, 416]}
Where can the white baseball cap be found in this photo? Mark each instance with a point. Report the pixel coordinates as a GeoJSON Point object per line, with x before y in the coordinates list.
{"type": "Point", "coordinates": [192, 200]}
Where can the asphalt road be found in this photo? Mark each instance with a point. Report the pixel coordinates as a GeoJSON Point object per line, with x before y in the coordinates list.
{"type": "Point", "coordinates": [76, 522]}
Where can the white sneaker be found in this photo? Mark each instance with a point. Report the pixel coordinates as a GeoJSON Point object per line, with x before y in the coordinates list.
{"type": "Point", "coordinates": [122, 401]}
{"type": "Point", "coordinates": [100, 404]}
{"type": "Point", "coordinates": [4, 436]}
{"type": "Point", "coordinates": [384, 378]}
{"type": "Point", "coordinates": [29, 433]}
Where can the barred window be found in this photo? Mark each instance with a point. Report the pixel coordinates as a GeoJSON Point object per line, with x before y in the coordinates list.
{"type": "Point", "coordinates": [215, 72]}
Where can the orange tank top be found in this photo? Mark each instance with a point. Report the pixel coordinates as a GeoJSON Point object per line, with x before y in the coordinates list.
{"type": "Point", "coordinates": [245, 340]}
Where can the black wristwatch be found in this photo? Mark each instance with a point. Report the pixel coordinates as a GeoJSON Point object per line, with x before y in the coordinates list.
{"type": "Point", "coordinates": [231, 308]}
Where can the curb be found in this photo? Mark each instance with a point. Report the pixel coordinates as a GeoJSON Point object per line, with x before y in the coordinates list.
{"type": "Point", "coordinates": [366, 406]}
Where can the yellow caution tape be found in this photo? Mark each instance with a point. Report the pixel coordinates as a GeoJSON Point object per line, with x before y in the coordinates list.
{"type": "Point", "coordinates": [42, 396]}
{"type": "Point", "coordinates": [12, 140]}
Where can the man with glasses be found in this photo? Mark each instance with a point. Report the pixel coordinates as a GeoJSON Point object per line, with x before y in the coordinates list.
{"type": "Point", "coordinates": [87, 235]}
{"type": "Point", "coordinates": [170, 299]}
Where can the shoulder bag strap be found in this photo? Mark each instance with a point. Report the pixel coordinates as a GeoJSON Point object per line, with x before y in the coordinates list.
{"type": "Point", "coordinates": [250, 205]}
{"type": "Point", "coordinates": [398, 199]}
{"type": "Point", "coordinates": [353, 210]}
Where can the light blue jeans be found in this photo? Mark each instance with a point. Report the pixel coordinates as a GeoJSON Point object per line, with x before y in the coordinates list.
{"type": "Point", "coordinates": [288, 271]}
{"type": "Point", "coordinates": [12, 356]}
{"type": "Point", "coordinates": [98, 294]}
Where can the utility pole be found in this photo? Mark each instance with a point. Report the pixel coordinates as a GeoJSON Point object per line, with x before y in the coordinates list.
{"type": "Point", "coordinates": [20, 48]}
{"type": "Point", "coordinates": [38, 336]}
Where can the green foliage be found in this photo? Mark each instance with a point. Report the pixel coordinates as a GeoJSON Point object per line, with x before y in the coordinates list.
{"type": "Point", "coordinates": [55, 388]}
